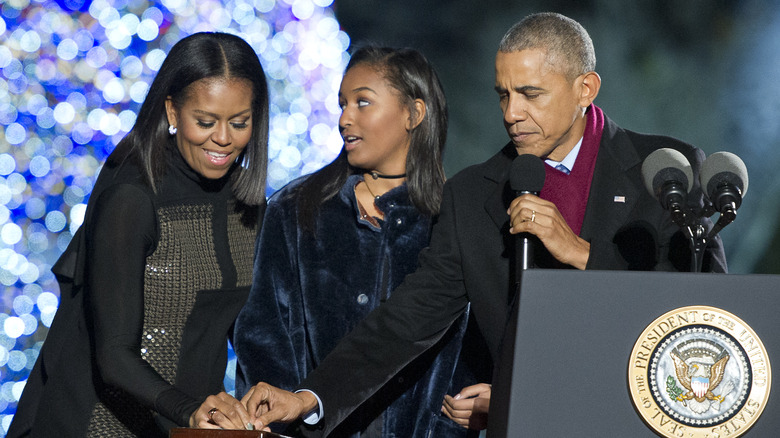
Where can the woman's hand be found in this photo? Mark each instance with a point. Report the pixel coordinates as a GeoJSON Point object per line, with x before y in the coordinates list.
{"type": "Point", "coordinates": [221, 411]}
{"type": "Point", "coordinates": [470, 407]}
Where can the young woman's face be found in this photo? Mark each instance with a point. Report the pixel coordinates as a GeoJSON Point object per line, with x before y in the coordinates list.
{"type": "Point", "coordinates": [214, 124]}
{"type": "Point", "coordinates": [374, 123]}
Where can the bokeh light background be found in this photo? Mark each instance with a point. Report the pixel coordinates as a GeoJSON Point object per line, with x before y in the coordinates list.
{"type": "Point", "coordinates": [74, 73]}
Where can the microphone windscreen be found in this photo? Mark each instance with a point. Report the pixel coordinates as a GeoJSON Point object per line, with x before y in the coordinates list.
{"type": "Point", "coordinates": [723, 167]}
{"type": "Point", "coordinates": [527, 174]}
{"type": "Point", "coordinates": [664, 165]}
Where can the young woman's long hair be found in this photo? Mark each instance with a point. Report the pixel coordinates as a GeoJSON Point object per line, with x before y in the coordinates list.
{"type": "Point", "coordinates": [409, 72]}
{"type": "Point", "coordinates": [200, 56]}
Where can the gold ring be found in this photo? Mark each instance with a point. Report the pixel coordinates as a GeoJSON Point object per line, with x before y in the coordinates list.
{"type": "Point", "coordinates": [212, 412]}
{"type": "Point", "coordinates": [533, 215]}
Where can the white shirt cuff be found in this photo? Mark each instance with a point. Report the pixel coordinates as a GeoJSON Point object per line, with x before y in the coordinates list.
{"type": "Point", "coordinates": [313, 416]}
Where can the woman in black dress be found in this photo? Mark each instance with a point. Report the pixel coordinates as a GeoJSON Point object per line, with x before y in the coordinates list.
{"type": "Point", "coordinates": [153, 280]}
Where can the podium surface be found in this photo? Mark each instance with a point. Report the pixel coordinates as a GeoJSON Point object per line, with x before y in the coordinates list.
{"type": "Point", "coordinates": [564, 369]}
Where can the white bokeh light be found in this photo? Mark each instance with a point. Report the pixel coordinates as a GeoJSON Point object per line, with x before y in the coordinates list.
{"type": "Point", "coordinates": [64, 113]}
{"type": "Point", "coordinates": [114, 90]}
{"type": "Point", "coordinates": [30, 41]}
{"type": "Point", "coordinates": [67, 49]}
{"type": "Point", "coordinates": [11, 234]}
{"type": "Point", "coordinates": [13, 327]}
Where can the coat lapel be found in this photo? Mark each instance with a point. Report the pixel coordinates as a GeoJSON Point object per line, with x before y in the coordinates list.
{"type": "Point", "coordinates": [497, 171]}
{"type": "Point", "coordinates": [613, 192]}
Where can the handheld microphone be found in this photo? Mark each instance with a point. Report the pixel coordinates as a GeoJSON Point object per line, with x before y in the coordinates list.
{"type": "Point", "coordinates": [525, 176]}
{"type": "Point", "coordinates": [724, 179]}
{"type": "Point", "coordinates": [668, 176]}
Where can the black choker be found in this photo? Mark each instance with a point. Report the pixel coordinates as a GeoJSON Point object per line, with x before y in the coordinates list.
{"type": "Point", "coordinates": [376, 175]}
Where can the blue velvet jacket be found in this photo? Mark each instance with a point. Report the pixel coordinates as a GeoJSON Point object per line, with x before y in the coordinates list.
{"type": "Point", "coordinates": [308, 292]}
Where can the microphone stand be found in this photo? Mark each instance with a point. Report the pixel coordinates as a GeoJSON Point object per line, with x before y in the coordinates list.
{"type": "Point", "coordinates": [726, 217]}
{"type": "Point", "coordinates": [690, 222]}
{"type": "Point", "coordinates": [694, 232]}
{"type": "Point", "coordinates": [697, 239]}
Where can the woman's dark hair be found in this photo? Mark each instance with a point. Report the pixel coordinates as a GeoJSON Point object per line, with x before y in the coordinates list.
{"type": "Point", "coordinates": [410, 73]}
{"type": "Point", "coordinates": [201, 56]}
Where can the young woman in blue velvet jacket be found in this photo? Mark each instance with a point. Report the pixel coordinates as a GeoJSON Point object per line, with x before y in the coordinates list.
{"type": "Point", "coordinates": [335, 244]}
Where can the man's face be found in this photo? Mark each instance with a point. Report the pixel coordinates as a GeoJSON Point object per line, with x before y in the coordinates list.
{"type": "Point", "coordinates": [542, 109]}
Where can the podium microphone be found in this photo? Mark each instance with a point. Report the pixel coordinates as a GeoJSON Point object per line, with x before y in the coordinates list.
{"type": "Point", "coordinates": [724, 179]}
{"type": "Point", "coordinates": [525, 176]}
{"type": "Point", "coordinates": [667, 175]}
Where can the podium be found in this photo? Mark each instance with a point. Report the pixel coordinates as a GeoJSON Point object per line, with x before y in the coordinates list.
{"type": "Point", "coordinates": [216, 433]}
{"type": "Point", "coordinates": [580, 346]}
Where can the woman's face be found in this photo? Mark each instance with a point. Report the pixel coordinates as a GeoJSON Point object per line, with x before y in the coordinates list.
{"type": "Point", "coordinates": [214, 124]}
{"type": "Point", "coordinates": [374, 123]}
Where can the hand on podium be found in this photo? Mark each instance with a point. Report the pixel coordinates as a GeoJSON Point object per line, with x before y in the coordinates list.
{"type": "Point", "coordinates": [268, 404]}
{"type": "Point", "coordinates": [470, 407]}
{"type": "Point", "coordinates": [222, 411]}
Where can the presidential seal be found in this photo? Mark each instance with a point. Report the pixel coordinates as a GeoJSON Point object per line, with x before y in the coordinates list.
{"type": "Point", "coordinates": [699, 372]}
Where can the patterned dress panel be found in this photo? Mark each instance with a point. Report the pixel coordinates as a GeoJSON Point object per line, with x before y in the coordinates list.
{"type": "Point", "coordinates": [183, 263]}
{"type": "Point", "coordinates": [242, 246]}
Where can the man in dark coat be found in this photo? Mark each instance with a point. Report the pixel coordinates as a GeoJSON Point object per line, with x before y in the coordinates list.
{"type": "Point", "coordinates": [593, 213]}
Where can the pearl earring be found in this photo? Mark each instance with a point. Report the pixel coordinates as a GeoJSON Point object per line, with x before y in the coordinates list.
{"type": "Point", "coordinates": [172, 130]}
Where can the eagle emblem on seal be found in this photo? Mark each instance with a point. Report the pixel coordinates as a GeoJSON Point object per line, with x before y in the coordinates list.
{"type": "Point", "coordinates": [699, 365]}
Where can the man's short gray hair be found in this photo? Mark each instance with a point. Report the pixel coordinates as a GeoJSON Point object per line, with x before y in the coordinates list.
{"type": "Point", "coordinates": [568, 45]}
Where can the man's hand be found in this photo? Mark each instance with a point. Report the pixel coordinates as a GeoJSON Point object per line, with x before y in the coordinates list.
{"type": "Point", "coordinates": [470, 407]}
{"type": "Point", "coordinates": [268, 404]}
{"type": "Point", "coordinates": [221, 411]}
{"type": "Point", "coordinates": [532, 214]}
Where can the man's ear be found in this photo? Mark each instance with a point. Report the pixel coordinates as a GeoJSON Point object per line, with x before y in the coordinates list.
{"type": "Point", "coordinates": [419, 114]}
{"type": "Point", "coordinates": [170, 112]}
{"type": "Point", "coordinates": [589, 85]}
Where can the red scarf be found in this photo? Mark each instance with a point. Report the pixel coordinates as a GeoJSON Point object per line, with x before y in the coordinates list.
{"type": "Point", "coordinates": [570, 192]}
